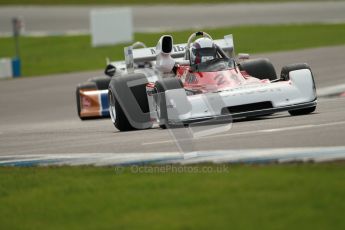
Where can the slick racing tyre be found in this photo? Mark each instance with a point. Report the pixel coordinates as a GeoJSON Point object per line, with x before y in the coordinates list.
{"type": "Point", "coordinates": [84, 86]}
{"type": "Point", "coordinates": [284, 75]}
{"type": "Point", "coordinates": [260, 68]}
{"type": "Point", "coordinates": [102, 82]}
{"type": "Point", "coordinates": [161, 87]}
{"type": "Point", "coordinates": [118, 117]}
{"type": "Point", "coordinates": [128, 104]}
{"type": "Point", "coordinates": [302, 111]}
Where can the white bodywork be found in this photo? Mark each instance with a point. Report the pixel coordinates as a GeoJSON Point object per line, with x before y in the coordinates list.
{"type": "Point", "coordinates": [299, 90]}
{"type": "Point", "coordinates": [181, 107]}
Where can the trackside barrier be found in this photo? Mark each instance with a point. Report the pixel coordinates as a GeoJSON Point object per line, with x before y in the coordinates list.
{"type": "Point", "coordinates": [10, 67]}
{"type": "Point", "coordinates": [16, 67]}
{"type": "Point", "coordinates": [5, 68]}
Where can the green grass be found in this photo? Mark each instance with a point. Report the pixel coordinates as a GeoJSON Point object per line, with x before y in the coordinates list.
{"type": "Point", "coordinates": [293, 196]}
{"type": "Point", "coordinates": [58, 54]}
{"type": "Point", "coordinates": [128, 2]}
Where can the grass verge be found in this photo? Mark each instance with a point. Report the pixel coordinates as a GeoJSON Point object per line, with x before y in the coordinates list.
{"type": "Point", "coordinates": [298, 196]}
{"type": "Point", "coordinates": [58, 54]}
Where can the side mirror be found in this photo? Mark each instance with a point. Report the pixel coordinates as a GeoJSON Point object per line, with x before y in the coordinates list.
{"type": "Point", "coordinates": [110, 70]}
{"type": "Point", "coordinates": [243, 56]}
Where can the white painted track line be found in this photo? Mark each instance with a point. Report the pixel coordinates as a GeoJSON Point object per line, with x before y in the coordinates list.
{"type": "Point", "coordinates": [256, 132]}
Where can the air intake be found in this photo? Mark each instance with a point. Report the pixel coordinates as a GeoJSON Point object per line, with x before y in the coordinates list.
{"type": "Point", "coordinates": [247, 107]}
{"type": "Point", "coordinates": [167, 44]}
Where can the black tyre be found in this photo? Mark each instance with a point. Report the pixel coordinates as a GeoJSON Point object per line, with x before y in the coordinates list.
{"type": "Point", "coordinates": [129, 108]}
{"type": "Point", "coordinates": [117, 115]}
{"type": "Point", "coordinates": [86, 85]}
{"type": "Point", "coordinates": [161, 87]}
{"type": "Point", "coordinates": [101, 82]}
{"type": "Point", "coordinates": [302, 111]}
{"type": "Point", "coordinates": [260, 68]}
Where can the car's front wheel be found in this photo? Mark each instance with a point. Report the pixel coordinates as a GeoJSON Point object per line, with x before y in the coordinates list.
{"type": "Point", "coordinates": [118, 117]}
{"type": "Point", "coordinates": [129, 103]}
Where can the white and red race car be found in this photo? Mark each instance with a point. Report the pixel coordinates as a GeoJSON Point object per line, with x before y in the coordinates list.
{"type": "Point", "coordinates": [175, 91]}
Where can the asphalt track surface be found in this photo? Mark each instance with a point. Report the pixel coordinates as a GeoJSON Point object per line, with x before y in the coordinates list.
{"type": "Point", "coordinates": [75, 19]}
{"type": "Point", "coordinates": [38, 116]}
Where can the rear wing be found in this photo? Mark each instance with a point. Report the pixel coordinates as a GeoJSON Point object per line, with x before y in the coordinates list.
{"type": "Point", "coordinates": [178, 51]}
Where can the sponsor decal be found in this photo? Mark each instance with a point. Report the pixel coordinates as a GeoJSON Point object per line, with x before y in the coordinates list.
{"type": "Point", "coordinates": [251, 91]}
{"type": "Point", "coordinates": [176, 49]}
{"type": "Point", "coordinates": [86, 102]}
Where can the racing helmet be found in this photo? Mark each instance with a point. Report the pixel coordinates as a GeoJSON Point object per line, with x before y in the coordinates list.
{"type": "Point", "coordinates": [202, 50]}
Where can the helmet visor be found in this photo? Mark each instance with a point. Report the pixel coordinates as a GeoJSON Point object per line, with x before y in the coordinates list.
{"type": "Point", "coordinates": [204, 54]}
{"type": "Point", "coordinates": [211, 51]}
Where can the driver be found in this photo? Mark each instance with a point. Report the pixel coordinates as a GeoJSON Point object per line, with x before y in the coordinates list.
{"type": "Point", "coordinates": [202, 50]}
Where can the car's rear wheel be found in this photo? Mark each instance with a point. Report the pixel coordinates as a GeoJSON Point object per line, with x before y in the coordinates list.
{"type": "Point", "coordinates": [102, 82]}
{"type": "Point", "coordinates": [260, 68]}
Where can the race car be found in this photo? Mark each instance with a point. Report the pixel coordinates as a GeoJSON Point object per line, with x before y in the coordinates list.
{"type": "Point", "coordinates": [92, 96]}
{"type": "Point", "coordinates": [203, 81]}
